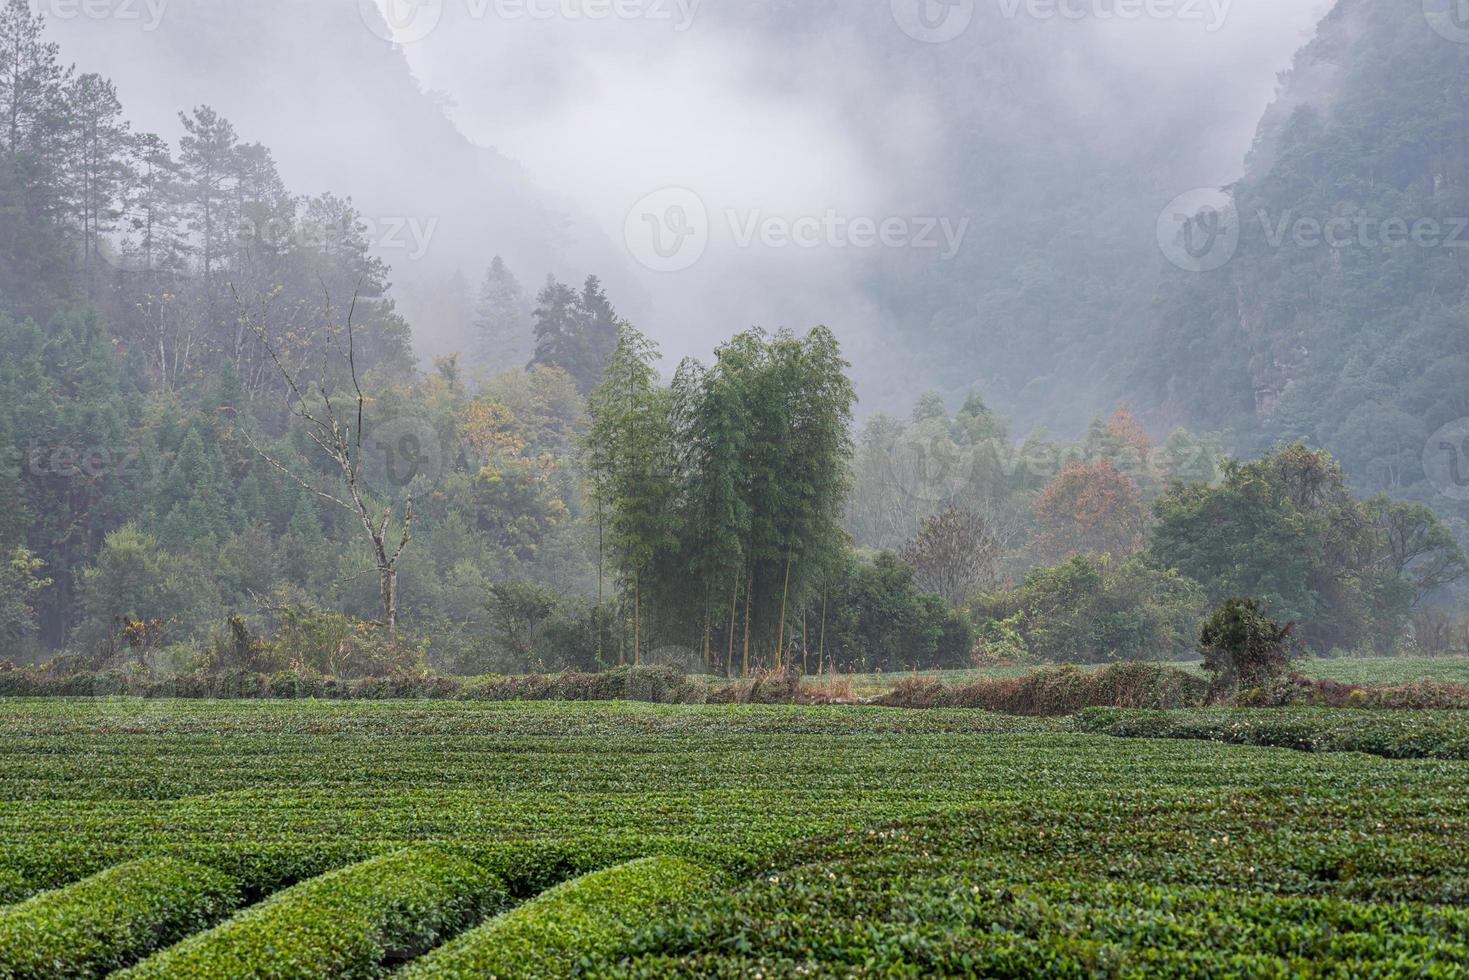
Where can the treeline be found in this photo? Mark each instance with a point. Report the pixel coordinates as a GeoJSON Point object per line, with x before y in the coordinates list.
{"type": "Point", "coordinates": [172, 320]}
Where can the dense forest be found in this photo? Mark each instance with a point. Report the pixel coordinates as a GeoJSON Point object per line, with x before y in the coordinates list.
{"type": "Point", "coordinates": [224, 443]}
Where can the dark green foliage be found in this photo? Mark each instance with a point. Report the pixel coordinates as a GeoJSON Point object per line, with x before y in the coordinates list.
{"type": "Point", "coordinates": [1243, 648]}
{"type": "Point", "coordinates": [589, 918]}
{"type": "Point", "coordinates": [112, 919]}
{"type": "Point", "coordinates": [347, 923]}
{"type": "Point", "coordinates": [1096, 610]}
{"type": "Point", "coordinates": [722, 497]}
{"type": "Point", "coordinates": [872, 617]}
{"type": "Point", "coordinates": [1286, 531]}
{"type": "Point", "coordinates": [575, 332]}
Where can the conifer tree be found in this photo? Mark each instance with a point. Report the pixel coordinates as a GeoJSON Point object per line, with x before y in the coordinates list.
{"type": "Point", "coordinates": [502, 321]}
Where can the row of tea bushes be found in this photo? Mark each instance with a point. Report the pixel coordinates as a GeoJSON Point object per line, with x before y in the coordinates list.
{"type": "Point", "coordinates": [111, 919]}
{"type": "Point", "coordinates": [593, 916]}
{"type": "Point", "coordinates": [347, 923]}
{"type": "Point", "coordinates": [1390, 734]}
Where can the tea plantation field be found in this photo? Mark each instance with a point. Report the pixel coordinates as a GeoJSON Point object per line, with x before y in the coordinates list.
{"type": "Point", "coordinates": [302, 839]}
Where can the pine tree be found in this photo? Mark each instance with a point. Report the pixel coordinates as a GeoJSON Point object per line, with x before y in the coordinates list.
{"type": "Point", "coordinates": [97, 145]}
{"type": "Point", "coordinates": [600, 330]}
{"type": "Point", "coordinates": [576, 332]}
{"type": "Point", "coordinates": [32, 81]}
{"type": "Point", "coordinates": [502, 321]}
{"type": "Point", "coordinates": [208, 170]}
{"type": "Point", "coordinates": [155, 239]}
{"type": "Point", "coordinates": [35, 260]}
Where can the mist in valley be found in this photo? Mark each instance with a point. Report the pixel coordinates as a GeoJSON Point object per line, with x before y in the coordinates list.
{"type": "Point", "coordinates": [533, 131]}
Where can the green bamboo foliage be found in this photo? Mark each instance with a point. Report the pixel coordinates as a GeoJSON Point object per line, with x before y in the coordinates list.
{"type": "Point", "coordinates": [722, 495]}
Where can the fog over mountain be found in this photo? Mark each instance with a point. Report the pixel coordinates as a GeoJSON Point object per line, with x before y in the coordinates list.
{"type": "Point", "coordinates": [533, 131]}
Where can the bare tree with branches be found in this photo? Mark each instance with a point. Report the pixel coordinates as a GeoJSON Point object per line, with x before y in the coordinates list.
{"type": "Point", "coordinates": [955, 553]}
{"type": "Point", "coordinates": [339, 437]}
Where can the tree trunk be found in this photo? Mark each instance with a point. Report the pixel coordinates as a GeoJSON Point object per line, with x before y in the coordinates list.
{"type": "Point", "coordinates": [780, 638]}
{"type": "Point", "coordinates": [637, 618]}
{"type": "Point", "coordinates": [821, 649]}
{"type": "Point", "coordinates": [600, 559]}
{"type": "Point", "coordinates": [805, 641]}
{"type": "Point", "coordinates": [707, 627]}
{"type": "Point", "coordinates": [749, 601]}
{"type": "Point", "coordinates": [734, 605]}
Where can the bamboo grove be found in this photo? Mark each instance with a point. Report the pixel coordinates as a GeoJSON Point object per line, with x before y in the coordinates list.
{"type": "Point", "coordinates": [719, 497]}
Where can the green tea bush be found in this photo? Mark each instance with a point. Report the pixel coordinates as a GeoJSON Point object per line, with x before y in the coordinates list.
{"type": "Point", "coordinates": [112, 919]}
{"type": "Point", "coordinates": [346, 923]}
{"type": "Point", "coordinates": [1393, 735]}
{"type": "Point", "coordinates": [589, 916]}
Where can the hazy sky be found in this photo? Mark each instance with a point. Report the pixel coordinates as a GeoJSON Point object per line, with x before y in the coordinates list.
{"type": "Point", "coordinates": [813, 135]}
{"type": "Point", "coordinates": [814, 118]}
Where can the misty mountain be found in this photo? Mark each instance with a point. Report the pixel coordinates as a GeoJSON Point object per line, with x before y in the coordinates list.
{"type": "Point", "coordinates": [1340, 316]}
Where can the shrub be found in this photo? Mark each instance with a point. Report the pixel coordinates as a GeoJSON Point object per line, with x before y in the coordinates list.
{"type": "Point", "coordinates": [112, 919]}
{"type": "Point", "coordinates": [766, 687]}
{"type": "Point", "coordinates": [347, 923]}
{"type": "Point", "coordinates": [876, 618]}
{"type": "Point", "coordinates": [1055, 691]}
{"type": "Point", "coordinates": [1243, 648]}
{"type": "Point", "coordinates": [594, 915]}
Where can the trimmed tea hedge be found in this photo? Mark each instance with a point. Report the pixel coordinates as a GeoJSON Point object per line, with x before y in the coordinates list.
{"type": "Point", "coordinates": [593, 915]}
{"type": "Point", "coordinates": [111, 919]}
{"type": "Point", "coordinates": [347, 923]}
{"type": "Point", "coordinates": [1392, 735]}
